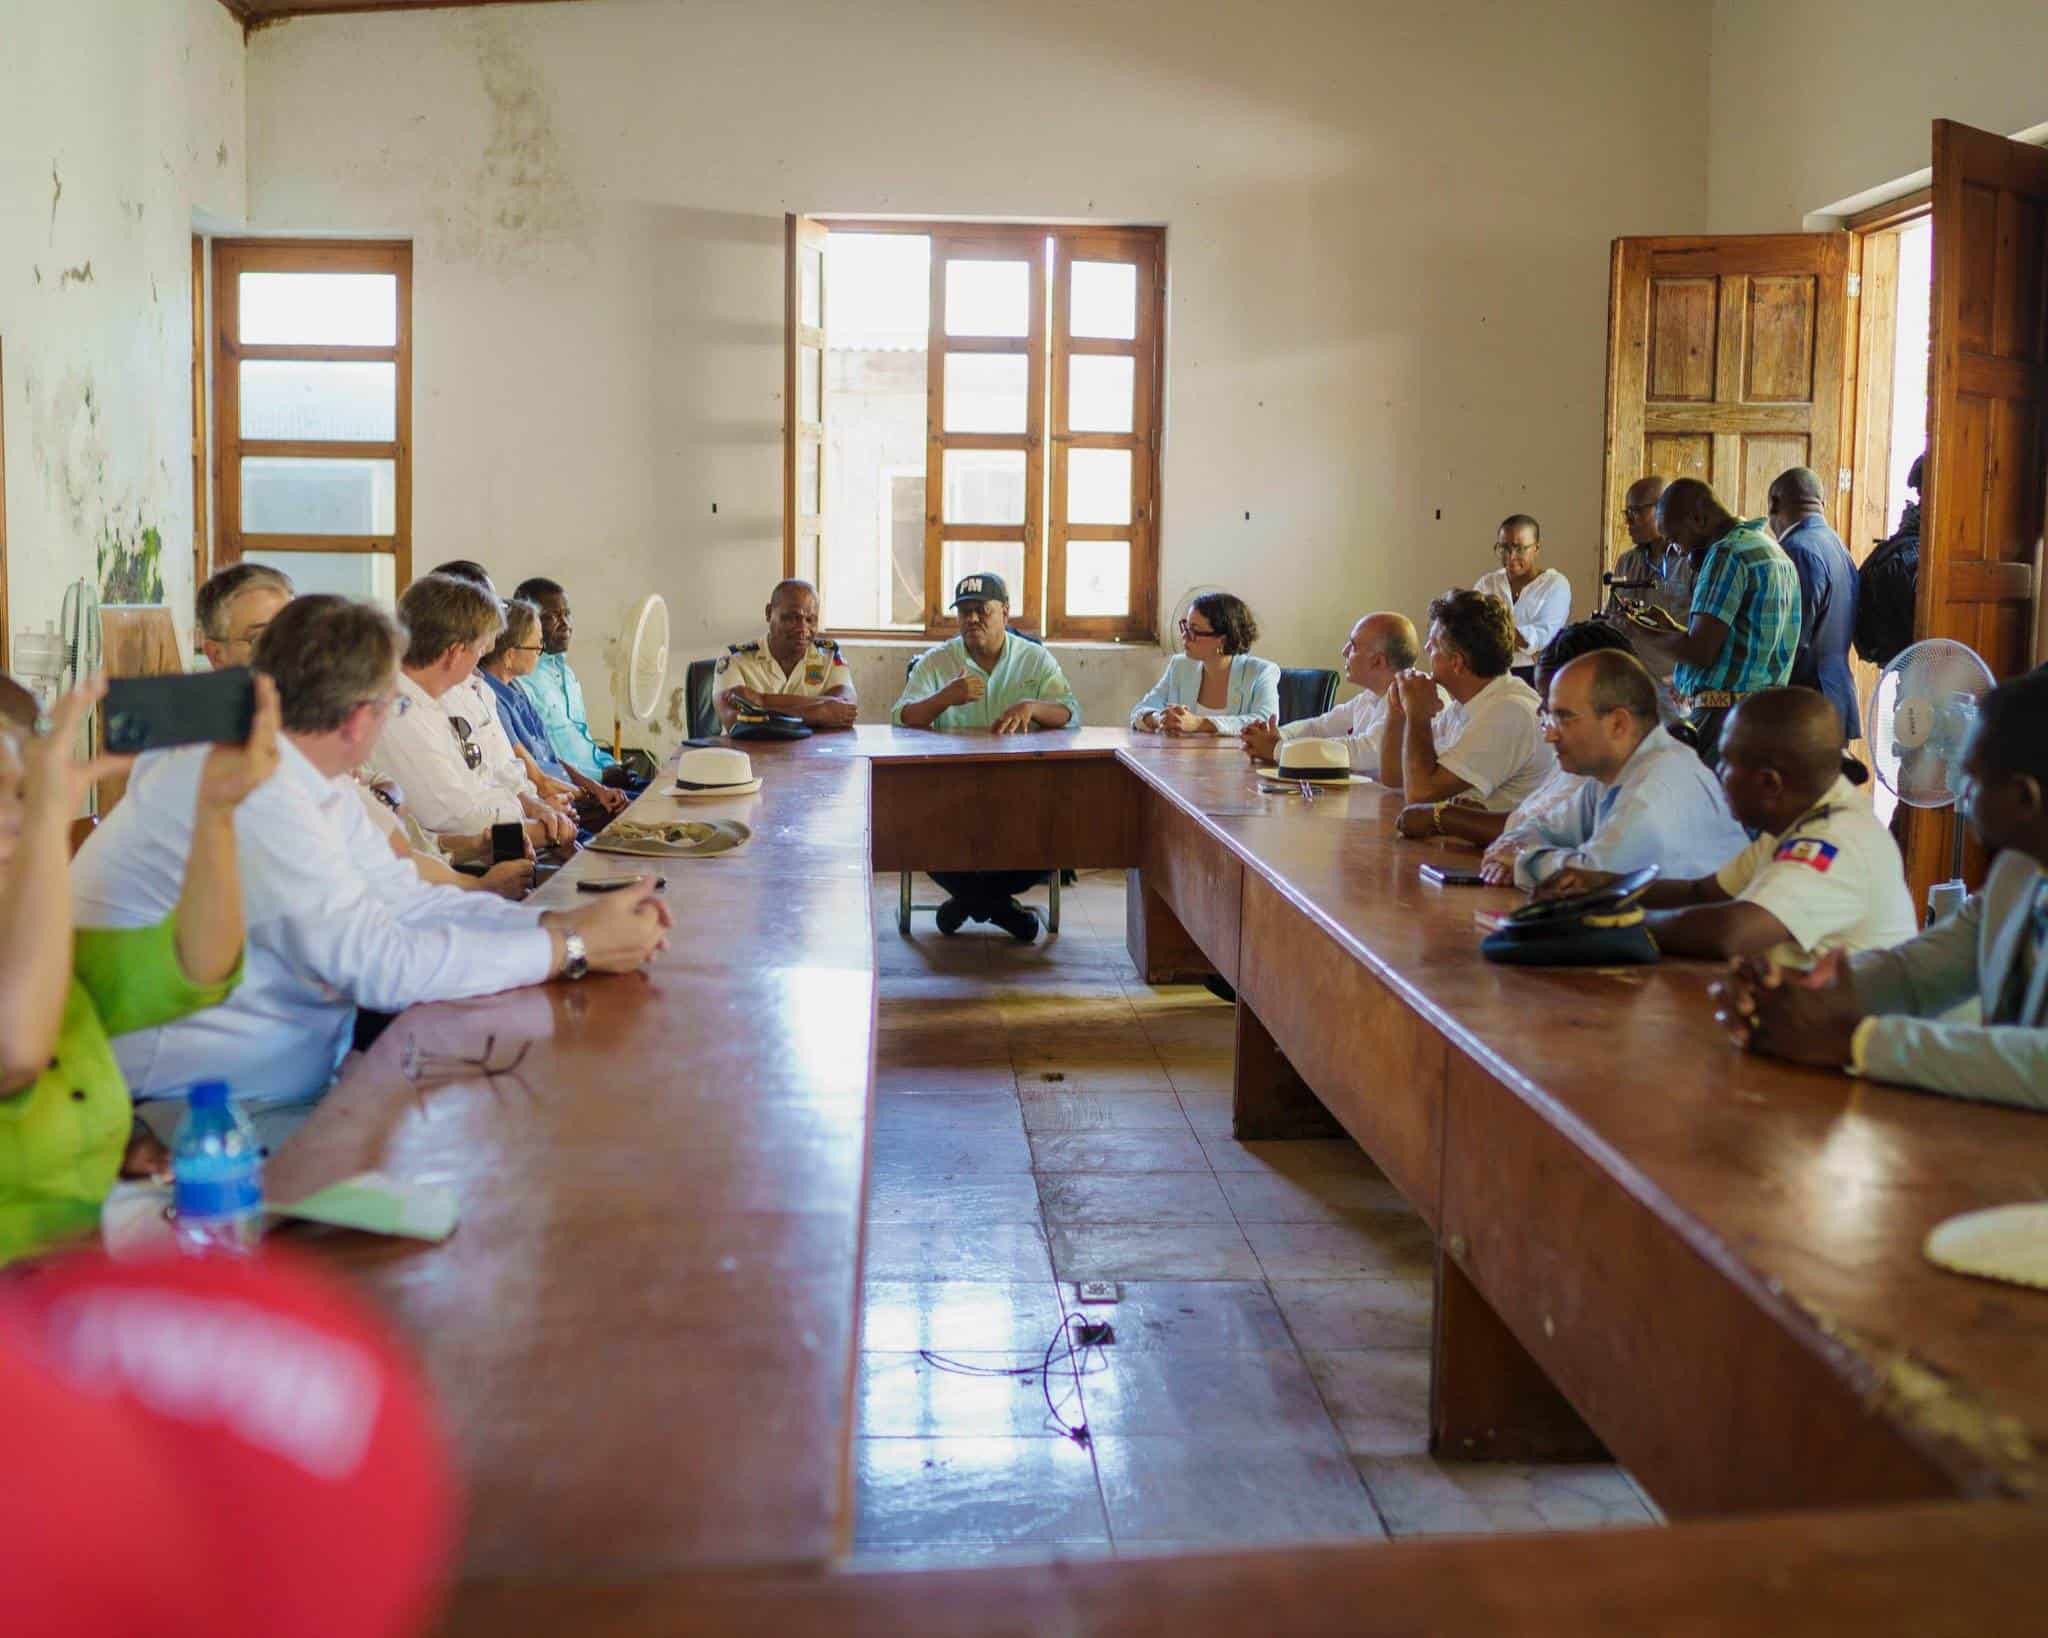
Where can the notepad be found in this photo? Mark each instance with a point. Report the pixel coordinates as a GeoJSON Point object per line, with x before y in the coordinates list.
{"type": "Point", "coordinates": [136, 1219]}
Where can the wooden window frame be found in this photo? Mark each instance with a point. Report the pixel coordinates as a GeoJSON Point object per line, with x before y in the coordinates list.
{"type": "Point", "coordinates": [1044, 533]}
{"type": "Point", "coordinates": [232, 258]}
{"type": "Point", "coordinates": [6, 630]}
{"type": "Point", "coordinates": [201, 543]}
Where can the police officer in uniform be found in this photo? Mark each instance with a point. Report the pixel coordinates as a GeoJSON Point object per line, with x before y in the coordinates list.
{"type": "Point", "coordinates": [792, 672]}
{"type": "Point", "coordinates": [1822, 874]}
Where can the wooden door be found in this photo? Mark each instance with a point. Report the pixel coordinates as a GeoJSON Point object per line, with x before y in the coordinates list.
{"type": "Point", "coordinates": [1987, 465]}
{"type": "Point", "coordinates": [1725, 361]}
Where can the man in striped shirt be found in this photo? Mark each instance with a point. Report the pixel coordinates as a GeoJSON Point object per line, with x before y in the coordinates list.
{"type": "Point", "coordinates": [1744, 626]}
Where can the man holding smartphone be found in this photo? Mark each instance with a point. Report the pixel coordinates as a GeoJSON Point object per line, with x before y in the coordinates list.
{"type": "Point", "coordinates": [336, 921]}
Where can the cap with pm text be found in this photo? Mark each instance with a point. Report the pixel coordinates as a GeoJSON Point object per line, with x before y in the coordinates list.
{"type": "Point", "coordinates": [981, 588]}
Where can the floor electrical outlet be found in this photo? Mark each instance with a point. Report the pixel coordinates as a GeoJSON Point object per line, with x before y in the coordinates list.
{"type": "Point", "coordinates": [1097, 1291]}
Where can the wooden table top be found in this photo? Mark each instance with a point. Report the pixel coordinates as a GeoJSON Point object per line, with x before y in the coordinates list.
{"type": "Point", "coordinates": [643, 1332]}
{"type": "Point", "coordinates": [1813, 1189]}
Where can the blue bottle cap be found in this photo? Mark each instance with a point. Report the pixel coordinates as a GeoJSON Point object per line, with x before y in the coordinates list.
{"type": "Point", "coordinates": [208, 1095]}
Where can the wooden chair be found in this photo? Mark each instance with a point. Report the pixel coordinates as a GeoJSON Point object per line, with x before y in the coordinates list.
{"type": "Point", "coordinates": [81, 829]}
{"type": "Point", "coordinates": [904, 906]}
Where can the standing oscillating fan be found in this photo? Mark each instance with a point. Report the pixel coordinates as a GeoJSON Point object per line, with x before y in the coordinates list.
{"type": "Point", "coordinates": [639, 665]}
{"type": "Point", "coordinates": [1921, 715]}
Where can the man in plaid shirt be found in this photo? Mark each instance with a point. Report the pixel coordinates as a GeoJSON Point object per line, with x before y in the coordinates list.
{"type": "Point", "coordinates": [1744, 626]}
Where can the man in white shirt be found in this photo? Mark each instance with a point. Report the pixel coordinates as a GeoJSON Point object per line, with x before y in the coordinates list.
{"type": "Point", "coordinates": [1485, 741]}
{"type": "Point", "coordinates": [336, 920]}
{"type": "Point", "coordinates": [1648, 800]}
{"type": "Point", "coordinates": [438, 742]}
{"type": "Point", "coordinates": [1380, 647]}
{"type": "Point", "coordinates": [1822, 875]}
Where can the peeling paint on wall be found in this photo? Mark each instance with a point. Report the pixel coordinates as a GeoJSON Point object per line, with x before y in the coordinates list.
{"type": "Point", "coordinates": [522, 198]}
{"type": "Point", "coordinates": [81, 274]}
{"type": "Point", "coordinates": [131, 566]}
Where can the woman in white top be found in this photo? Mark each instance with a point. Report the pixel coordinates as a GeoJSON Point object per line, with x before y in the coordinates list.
{"type": "Point", "coordinates": [1215, 685]}
{"type": "Point", "coordinates": [1539, 600]}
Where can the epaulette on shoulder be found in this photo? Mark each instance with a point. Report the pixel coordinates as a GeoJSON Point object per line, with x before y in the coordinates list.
{"type": "Point", "coordinates": [826, 645]}
{"type": "Point", "coordinates": [744, 648]}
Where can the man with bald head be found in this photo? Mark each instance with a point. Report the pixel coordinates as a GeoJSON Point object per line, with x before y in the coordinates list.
{"type": "Point", "coordinates": [1743, 626]}
{"type": "Point", "coordinates": [1822, 875]}
{"type": "Point", "coordinates": [1380, 647]}
{"type": "Point", "coordinates": [1646, 799]}
{"type": "Point", "coordinates": [1827, 591]}
{"type": "Point", "coordinates": [792, 672]}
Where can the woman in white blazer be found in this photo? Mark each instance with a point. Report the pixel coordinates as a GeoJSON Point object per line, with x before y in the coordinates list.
{"type": "Point", "coordinates": [1215, 685]}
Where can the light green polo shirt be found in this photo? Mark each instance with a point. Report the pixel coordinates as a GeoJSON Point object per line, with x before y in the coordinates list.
{"type": "Point", "coordinates": [1024, 671]}
{"type": "Point", "coordinates": [61, 1141]}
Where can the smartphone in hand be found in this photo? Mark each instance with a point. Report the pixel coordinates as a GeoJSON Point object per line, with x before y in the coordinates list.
{"type": "Point", "coordinates": [155, 713]}
{"type": "Point", "coordinates": [508, 841]}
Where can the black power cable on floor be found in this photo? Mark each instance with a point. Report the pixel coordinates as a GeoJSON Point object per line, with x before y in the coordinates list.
{"type": "Point", "coordinates": [1091, 1335]}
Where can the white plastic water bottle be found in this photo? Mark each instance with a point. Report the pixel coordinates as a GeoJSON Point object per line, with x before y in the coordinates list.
{"type": "Point", "coordinates": [217, 1181]}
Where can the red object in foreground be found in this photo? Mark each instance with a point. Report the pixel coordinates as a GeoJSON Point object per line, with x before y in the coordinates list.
{"type": "Point", "coordinates": [213, 1446]}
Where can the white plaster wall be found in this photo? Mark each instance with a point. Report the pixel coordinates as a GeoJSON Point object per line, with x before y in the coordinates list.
{"type": "Point", "coordinates": [1819, 100]}
{"type": "Point", "coordinates": [1388, 261]}
{"type": "Point", "coordinates": [118, 119]}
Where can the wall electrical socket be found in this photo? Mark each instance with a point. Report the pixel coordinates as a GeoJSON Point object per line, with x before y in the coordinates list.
{"type": "Point", "coordinates": [1096, 1291]}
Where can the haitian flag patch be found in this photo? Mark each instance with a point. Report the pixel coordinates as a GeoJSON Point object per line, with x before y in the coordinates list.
{"type": "Point", "coordinates": [1807, 851]}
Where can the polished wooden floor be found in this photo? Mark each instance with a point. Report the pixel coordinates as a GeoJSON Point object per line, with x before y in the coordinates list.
{"type": "Point", "coordinates": [1043, 1117]}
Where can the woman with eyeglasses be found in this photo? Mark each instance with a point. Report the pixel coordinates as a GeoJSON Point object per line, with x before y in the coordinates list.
{"type": "Point", "coordinates": [1215, 685]}
{"type": "Point", "coordinates": [1539, 600]}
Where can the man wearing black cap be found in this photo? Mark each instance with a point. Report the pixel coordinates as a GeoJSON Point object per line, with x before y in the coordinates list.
{"type": "Point", "coordinates": [987, 678]}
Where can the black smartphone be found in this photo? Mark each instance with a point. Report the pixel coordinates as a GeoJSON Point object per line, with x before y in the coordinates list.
{"type": "Point", "coordinates": [1445, 877]}
{"type": "Point", "coordinates": [155, 713]}
{"type": "Point", "coordinates": [508, 841]}
{"type": "Point", "coordinates": [611, 884]}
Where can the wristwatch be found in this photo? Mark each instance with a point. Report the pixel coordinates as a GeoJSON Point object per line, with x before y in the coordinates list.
{"type": "Point", "coordinates": [575, 958]}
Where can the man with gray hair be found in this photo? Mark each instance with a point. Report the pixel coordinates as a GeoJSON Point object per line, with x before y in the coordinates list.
{"type": "Point", "coordinates": [234, 606]}
{"type": "Point", "coordinates": [335, 919]}
{"type": "Point", "coordinates": [1827, 592]}
{"type": "Point", "coordinates": [1380, 647]}
{"type": "Point", "coordinates": [432, 747]}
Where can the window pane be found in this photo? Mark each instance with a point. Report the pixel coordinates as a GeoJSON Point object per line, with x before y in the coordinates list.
{"type": "Point", "coordinates": [1099, 486]}
{"type": "Point", "coordinates": [810, 362]}
{"type": "Point", "coordinates": [1099, 577]}
{"type": "Point", "coordinates": [1003, 557]}
{"type": "Point", "coordinates": [984, 486]}
{"type": "Point", "coordinates": [807, 496]}
{"type": "Point", "coordinates": [347, 574]}
{"type": "Point", "coordinates": [988, 298]}
{"type": "Point", "coordinates": [313, 497]}
{"type": "Point", "coordinates": [308, 401]}
{"type": "Point", "coordinates": [320, 309]}
{"type": "Point", "coordinates": [811, 286]}
{"type": "Point", "coordinates": [1100, 393]}
{"type": "Point", "coordinates": [987, 392]}
{"type": "Point", "coordinates": [1102, 300]}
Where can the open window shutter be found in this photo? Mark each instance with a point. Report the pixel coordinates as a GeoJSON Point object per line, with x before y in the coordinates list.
{"type": "Point", "coordinates": [803, 421]}
{"type": "Point", "coordinates": [1987, 465]}
{"type": "Point", "coordinates": [1725, 361]}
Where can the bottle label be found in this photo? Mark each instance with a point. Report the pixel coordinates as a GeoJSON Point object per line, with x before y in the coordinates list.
{"type": "Point", "coordinates": [227, 1196]}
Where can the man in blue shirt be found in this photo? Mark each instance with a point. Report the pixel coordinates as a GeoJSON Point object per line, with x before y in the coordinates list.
{"type": "Point", "coordinates": [1744, 624]}
{"type": "Point", "coordinates": [989, 680]}
{"type": "Point", "coordinates": [556, 693]}
{"type": "Point", "coordinates": [1827, 592]}
{"type": "Point", "coordinates": [1647, 799]}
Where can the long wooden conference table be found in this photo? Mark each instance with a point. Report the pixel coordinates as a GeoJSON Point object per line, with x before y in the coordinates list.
{"type": "Point", "coordinates": [644, 1333]}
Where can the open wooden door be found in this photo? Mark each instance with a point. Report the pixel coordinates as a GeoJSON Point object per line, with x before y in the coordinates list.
{"type": "Point", "coordinates": [803, 401]}
{"type": "Point", "coordinates": [1726, 360]}
{"type": "Point", "coordinates": [1987, 461]}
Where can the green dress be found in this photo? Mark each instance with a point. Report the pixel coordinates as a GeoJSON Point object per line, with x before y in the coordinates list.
{"type": "Point", "coordinates": [62, 1139]}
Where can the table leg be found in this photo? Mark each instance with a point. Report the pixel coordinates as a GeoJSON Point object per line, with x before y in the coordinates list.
{"type": "Point", "coordinates": [1488, 1400]}
{"type": "Point", "coordinates": [1159, 945]}
{"type": "Point", "coordinates": [1269, 1099]}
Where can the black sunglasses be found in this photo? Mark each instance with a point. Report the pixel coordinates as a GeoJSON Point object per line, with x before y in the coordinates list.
{"type": "Point", "coordinates": [472, 753]}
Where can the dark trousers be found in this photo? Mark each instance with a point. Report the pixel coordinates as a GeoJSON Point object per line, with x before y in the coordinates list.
{"type": "Point", "coordinates": [983, 891]}
{"type": "Point", "coordinates": [1707, 723]}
